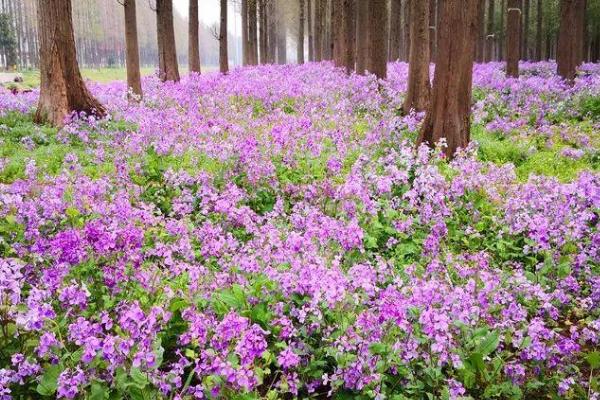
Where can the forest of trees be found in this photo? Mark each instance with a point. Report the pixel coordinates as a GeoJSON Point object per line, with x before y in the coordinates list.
{"type": "Point", "coordinates": [99, 34]}
{"type": "Point", "coordinates": [273, 28]}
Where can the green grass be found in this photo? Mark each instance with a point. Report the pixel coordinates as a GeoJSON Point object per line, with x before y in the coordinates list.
{"type": "Point", "coordinates": [31, 78]}
{"type": "Point", "coordinates": [532, 157]}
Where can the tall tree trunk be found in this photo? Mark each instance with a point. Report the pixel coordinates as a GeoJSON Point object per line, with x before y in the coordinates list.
{"type": "Point", "coordinates": [62, 90]}
{"type": "Point", "coordinates": [168, 69]}
{"type": "Point", "coordinates": [538, 31]}
{"type": "Point", "coordinates": [432, 29]}
{"type": "Point", "coordinates": [134, 81]}
{"type": "Point", "coordinates": [480, 51]}
{"type": "Point", "coordinates": [318, 37]}
{"type": "Point", "coordinates": [252, 33]}
{"type": "Point", "coordinates": [271, 31]}
{"type": "Point", "coordinates": [362, 38]}
{"type": "Point", "coordinates": [378, 38]}
{"type": "Point", "coordinates": [245, 43]}
{"type": "Point", "coordinates": [417, 95]}
{"type": "Point", "coordinates": [406, 30]}
{"type": "Point", "coordinates": [343, 26]}
{"type": "Point", "coordinates": [525, 31]}
{"type": "Point", "coordinates": [262, 31]}
{"type": "Point", "coordinates": [349, 36]}
{"type": "Point", "coordinates": [501, 33]}
{"type": "Point", "coordinates": [194, 39]}
{"type": "Point", "coordinates": [395, 30]}
{"type": "Point", "coordinates": [513, 38]}
{"type": "Point", "coordinates": [572, 21]}
{"type": "Point", "coordinates": [489, 39]}
{"type": "Point", "coordinates": [223, 57]}
{"type": "Point", "coordinates": [448, 114]}
{"type": "Point", "coordinates": [300, 48]}
{"type": "Point", "coordinates": [338, 31]}
{"type": "Point", "coordinates": [311, 44]}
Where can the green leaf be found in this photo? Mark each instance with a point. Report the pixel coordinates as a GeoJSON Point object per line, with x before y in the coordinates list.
{"type": "Point", "coordinates": [489, 344]}
{"type": "Point", "coordinates": [139, 379]}
{"type": "Point", "coordinates": [378, 348]}
{"type": "Point", "coordinates": [98, 391]}
{"type": "Point", "coordinates": [593, 358]}
{"type": "Point", "coordinates": [49, 381]}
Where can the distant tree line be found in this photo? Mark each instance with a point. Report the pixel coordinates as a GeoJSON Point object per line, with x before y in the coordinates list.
{"type": "Point", "coordinates": [99, 34]}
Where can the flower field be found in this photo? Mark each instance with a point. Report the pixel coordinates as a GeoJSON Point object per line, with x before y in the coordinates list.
{"type": "Point", "coordinates": [274, 234]}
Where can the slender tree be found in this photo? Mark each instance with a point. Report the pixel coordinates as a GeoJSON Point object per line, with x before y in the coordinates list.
{"type": "Point", "coordinates": [318, 30]}
{"type": "Point", "coordinates": [300, 44]}
{"type": "Point", "coordinates": [168, 70]}
{"type": "Point", "coordinates": [134, 81]}
{"type": "Point", "coordinates": [538, 30]}
{"type": "Point", "coordinates": [378, 38]}
{"type": "Point", "coordinates": [480, 47]}
{"type": "Point", "coordinates": [406, 29]}
{"type": "Point", "coordinates": [311, 44]}
{"type": "Point", "coordinates": [349, 35]}
{"type": "Point", "coordinates": [223, 57]}
{"type": "Point", "coordinates": [500, 31]}
{"type": "Point", "coordinates": [395, 30]}
{"type": "Point", "coordinates": [448, 114]}
{"type": "Point", "coordinates": [62, 90]}
{"type": "Point", "coordinates": [245, 43]}
{"type": "Point", "coordinates": [338, 31]}
{"type": "Point", "coordinates": [252, 32]}
{"type": "Point", "coordinates": [362, 39]}
{"type": "Point", "coordinates": [194, 39]}
{"type": "Point", "coordinates": [513, 38]}
{"type": "Point", "coordinates": [572, 24]}
{"type": "Point", "coordinates": [417, 95]}
{"type": "Point", "coordinates": [262, 31]}
{"type": "Point", "coordinates": [271, 31]}
{"type": "Point", "coordinates": [525, 31]}
{"type": "Point", "coordinates": [489, 39]}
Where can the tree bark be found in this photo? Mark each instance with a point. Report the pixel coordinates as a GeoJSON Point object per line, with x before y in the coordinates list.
{"type": "Point", "coordinates": [338, 32]}
{"type": "Point", "coordinates": [194, 39]}
{"type": "Point", "coordinates": [168, 69]}
{"type": "Point", "coordinates": [448, 114]}
{"type": "Point", "coordinates": [318, 37]}
{"type": "Point", "coordinates": [271, 31]}
{"type": "Point", "coordinates": [245, 43]}
{"type": "Point", "coordinates": [572, 21]}
{"type": "Point", "coordinates": [501, 36]}
{"type": "Point", "coordinates": [417, 95]}
{"type": "Point", "coordinates": [134, 81]}
{"type": "Point", "coordinates": [349, 35]}
{"type": "Point", "coordinates": [252, 33]}
{"type": "Point", "coordinates": [62, 90]}
{"type": "Point", "coordinates": [378, 38]}
{"type": "Point", "coordinates": [311, 45]}
{"type": "Point", "coordinates": [525, 31]}
{"type": "Point", "coordinates": [538, 31]}
{"type": "Point", "coordinates": [489, 39]}
{"type": "Point", "coordinates": [395, 30]}
{"type": "Point", "coordinates": [262, 31]}
{"type": "Point", "coordinates": [362, 39]}
{"type": "Point", "coordinates": [432, 29]}
{"type": "Point", "coordinates": [223, 57]}
{"type": "Point", "coordinates": [300, 48]}
{"type": "Point", "coordinates": [480, 51]}
{"type": "Point", "coordinates": [406, 30]}
{"type": "Point", "coordinates": [513, 38]}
